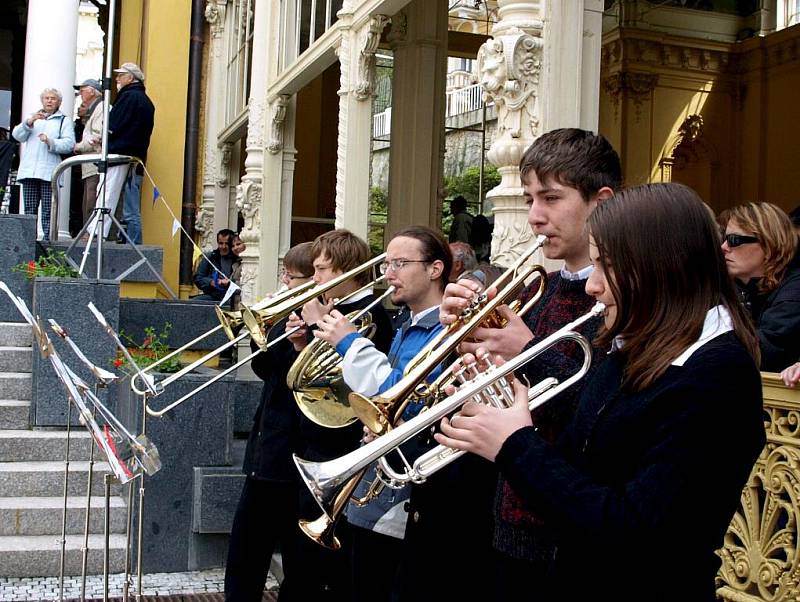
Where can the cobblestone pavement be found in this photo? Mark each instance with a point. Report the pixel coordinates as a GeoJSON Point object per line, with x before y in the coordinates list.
{"type": "Point", "coordinates": [156, 584]}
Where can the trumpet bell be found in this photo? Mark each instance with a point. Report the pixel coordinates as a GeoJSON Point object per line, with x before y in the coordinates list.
{"type": "Point", "coordinates": [321, 531]}
{"type": "Point", "coordinates": [371, 413]}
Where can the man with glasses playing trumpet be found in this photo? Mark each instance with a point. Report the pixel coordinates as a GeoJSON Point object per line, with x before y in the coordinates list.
{"type": "Point", "coordinates": [417, 265]}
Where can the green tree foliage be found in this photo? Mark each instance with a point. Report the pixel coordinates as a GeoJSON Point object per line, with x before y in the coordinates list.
{"type": "Point", "coordinates": [466, 185]}
{"type": "Point", "coordinates": [377, 219]}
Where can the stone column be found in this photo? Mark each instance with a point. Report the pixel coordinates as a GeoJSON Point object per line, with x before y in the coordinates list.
{"type": "Point", "coordinates": [510, 67]}
{"type": "Point", "coordinates": [249, 192]}
{"type": "Point", "coordinates": [357, 70]}
{"type": "Point", "coordinates": [51, 45]}
{"type": "Point", "coordinates": [212, 214]}
{"type": "Point", "coordinates": [571, 76]}
{"type": "Point", "coordinates": [419, 40]}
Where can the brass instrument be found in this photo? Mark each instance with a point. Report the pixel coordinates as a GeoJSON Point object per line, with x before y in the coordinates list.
{"type": "Point", "coordinates": [381, 412]}
{"type": "Point", "coordinates": [327, 480]}
{"type": "Point", "coordinates": [316, 379]}
{"type": "Point", "coordinates": [258, 320]}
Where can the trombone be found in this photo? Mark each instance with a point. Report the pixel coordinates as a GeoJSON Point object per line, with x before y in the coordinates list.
{"type": "Point", "coordinates": [257, 321]}
{"type": "Point", "coordinates": [328, 480]}
{"type": "Point", "coordinates": [380, 413]}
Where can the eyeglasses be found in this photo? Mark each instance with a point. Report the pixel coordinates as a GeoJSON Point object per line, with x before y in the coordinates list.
{"type": "Point", "coordinates": [397, 264]}
{"type": "Point", "coordinates": [289, 276]}
{"type": "Point", "coordinates": [736, 240]}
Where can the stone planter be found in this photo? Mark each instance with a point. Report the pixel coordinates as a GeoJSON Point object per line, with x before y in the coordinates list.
{"type": "Point", "coordinates": [65, 300]}
{"type": "Point", "coordinates": [197, 433]}
{"type": "Point", "coordinates": [17, 245]}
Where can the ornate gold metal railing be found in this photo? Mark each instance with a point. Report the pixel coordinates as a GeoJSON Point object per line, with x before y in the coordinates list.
{"type": "Point", "coordinates": [760, 559]}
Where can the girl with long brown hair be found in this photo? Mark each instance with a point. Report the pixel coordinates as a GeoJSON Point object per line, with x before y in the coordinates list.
{"type": "Point", "coordinates": [640, 488]}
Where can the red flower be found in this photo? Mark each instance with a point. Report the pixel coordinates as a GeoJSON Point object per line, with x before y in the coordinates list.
{"type": "Point", "coordinates": [118, 362]}
{"type": "Point", "coordinates": [147, 341]}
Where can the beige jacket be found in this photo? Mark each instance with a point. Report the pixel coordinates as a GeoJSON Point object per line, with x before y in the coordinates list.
{"type": "Point", "coordinates": [93, 130]}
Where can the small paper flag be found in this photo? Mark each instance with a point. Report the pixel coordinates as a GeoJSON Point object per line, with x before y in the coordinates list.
{"type": "Point", "coordinates": [232, 288]}
{"type": "Point", "coordinates": [176, 225]}
{"type": "Point", "coordinates": [156, 195]}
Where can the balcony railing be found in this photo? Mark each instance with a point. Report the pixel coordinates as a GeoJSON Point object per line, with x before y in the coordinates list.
{"type": "Point", "coordinates": [760, 558]}
{"type": "Point", "coordinates": [459, 102]}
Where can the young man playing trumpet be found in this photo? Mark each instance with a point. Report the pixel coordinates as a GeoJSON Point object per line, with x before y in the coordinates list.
{"type": "Point", "coordinates": [326, 576]}
{"type": "Point", "coordinates": [417, 265]}
{"type": "Point", "coordinates": [565, 174]}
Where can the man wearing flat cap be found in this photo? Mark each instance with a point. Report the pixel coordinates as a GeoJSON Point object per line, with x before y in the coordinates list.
{"type": "Point", "coordinates": [91, 114]}
{"type": "Point", "coordinates": [130, 124]}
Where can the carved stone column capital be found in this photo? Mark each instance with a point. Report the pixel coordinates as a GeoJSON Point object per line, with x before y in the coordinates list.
{"type": "Point", "coordinates": [278, 117]}
{"type": "Point", "coordinates": [248, 202]}
{"type": "Point", "coordinates": [224, 162]}
{"type": "Point", "coordinates": [363, 88]}
{"type": "Point", "coordinates": [215, 15]}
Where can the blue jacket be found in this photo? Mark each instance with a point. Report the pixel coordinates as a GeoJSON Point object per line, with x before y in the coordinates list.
{"type": "Point", "coordinates": [39, 160]}
{"type": "Point", "coordinates": [386, 513]}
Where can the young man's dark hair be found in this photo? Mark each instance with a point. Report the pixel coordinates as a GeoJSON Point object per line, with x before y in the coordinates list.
{"type": "Point", "coordinates": [345, 251]}
{"type": "Point", "coordinates": [573, 157]}
{"type": "Point", "coordinates": [434, 246]}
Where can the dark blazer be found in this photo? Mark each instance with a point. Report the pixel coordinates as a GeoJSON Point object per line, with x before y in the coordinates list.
{"type": "Point", "coordinates": [130, 122]}
{"type": "Point", "coordinates": [641, 487]}
{"type": "Point", "coordinates": [777, 318]}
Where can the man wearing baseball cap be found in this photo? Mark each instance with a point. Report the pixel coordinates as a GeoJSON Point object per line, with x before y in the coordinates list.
{"type": "Point", "coordinates": [91, 115]}
{"type": "Point", "coordinates": [130, 124]}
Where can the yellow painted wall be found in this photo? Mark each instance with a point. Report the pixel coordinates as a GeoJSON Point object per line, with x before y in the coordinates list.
{"type": "Point", "coordinates": [751, 136]}
{"type": "Point", "coordinates": [155, 35]}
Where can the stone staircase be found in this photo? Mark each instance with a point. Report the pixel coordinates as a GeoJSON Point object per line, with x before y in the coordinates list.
{"type": "Point", "coordinates": [32, 481]}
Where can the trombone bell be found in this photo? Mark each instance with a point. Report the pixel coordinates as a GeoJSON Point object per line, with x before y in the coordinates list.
{"type": "Point", "coordinates": [231, 321]}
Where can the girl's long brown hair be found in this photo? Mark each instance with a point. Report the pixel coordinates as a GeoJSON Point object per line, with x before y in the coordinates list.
{"type": "Point", "coordinates": [662, 245]}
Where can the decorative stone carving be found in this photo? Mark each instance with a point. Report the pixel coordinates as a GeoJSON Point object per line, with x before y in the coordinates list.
{"type": "Point", "coordinates": [204, 226]}
{"type": "Point", "coordinates": [248, 202]}
{"type": "Point", "coordinates": [215, 16]}
{"type": "Point", "coordinates": [631, 52]}
{"type": "Point", "coordinates": [278, 117]}
{"type": "Point", "coordinates": [255, 123]}
{"type": "Point", "coordinates": [366, 59]}
{"type": "Point", "coordinates": [634, 86]}
{"type": "Point", "coordinates": [398, 30]}
{"type": "Point", "coordinates": [509, 68]}
{"type": "Point", "coordinates": [224, 164]}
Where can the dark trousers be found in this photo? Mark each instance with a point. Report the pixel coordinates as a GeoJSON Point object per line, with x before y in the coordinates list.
{"type": "Point", "coordinates": [376, 558]}
{"type": "Point", "coordinates": [35, 191]}
{"type": "Point", "coordinates": [266, 517]}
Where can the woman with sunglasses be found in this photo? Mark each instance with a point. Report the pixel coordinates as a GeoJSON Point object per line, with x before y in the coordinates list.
{"type": "Point", "coordinates": [639, 489]}
{"type": "Point", "coordinates": [760, 249]}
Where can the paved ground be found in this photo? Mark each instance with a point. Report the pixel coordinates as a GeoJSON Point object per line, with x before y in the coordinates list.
{"type": "Point", "coordinates": [179, 585]}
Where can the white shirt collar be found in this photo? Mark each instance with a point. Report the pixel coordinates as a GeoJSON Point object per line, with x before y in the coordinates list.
{"type": "Point", "coordinates": [417, 317]}
{"type": "Point", "coordinates": [581, 274]}
{"type": "Point", "coordinates": [718, 321]}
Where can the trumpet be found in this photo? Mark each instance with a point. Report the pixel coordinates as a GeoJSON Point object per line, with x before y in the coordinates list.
{"type": "Point", "coordinates": [327, 480]}
{"type": "Point", "coordinates": [381, 412]}
{"type": "Point", "coordinates": [258, 320]}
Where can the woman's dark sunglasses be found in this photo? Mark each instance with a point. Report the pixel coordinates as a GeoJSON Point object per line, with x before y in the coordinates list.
{"type": "Point", "coordinates": [736, 240]}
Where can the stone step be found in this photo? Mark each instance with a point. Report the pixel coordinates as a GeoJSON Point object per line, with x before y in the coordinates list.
{"type": "Point", "coordinates": [15, 359]}
{"type": "Point", "coordinates": [16, 385]}
{"type": "Point", "coordinates": [44, 479]}
{"type": "Point", "coordinates": [15, 334]}
{"type": "Point", "coordinates": [44, 445]}
{"type": "Point", "coordinates": [44, 515]}
{"type": "Point", "coordinates": [14, 414]}
{"type": "Point", "coordinates": [39, 555]}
